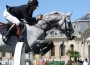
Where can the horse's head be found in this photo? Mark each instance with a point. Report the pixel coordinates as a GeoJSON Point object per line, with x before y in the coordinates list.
{"type": "Point", "coordinates": [59, 20]}
{"type": "Point", "coordinates": [66, 27]}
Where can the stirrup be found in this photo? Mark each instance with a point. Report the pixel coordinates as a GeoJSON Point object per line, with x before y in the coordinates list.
{"type": "Point", "coordinates": [5, 40]}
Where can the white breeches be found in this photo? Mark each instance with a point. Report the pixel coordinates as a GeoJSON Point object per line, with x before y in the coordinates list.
{"type": "Point", "coordinates": [11, 18]}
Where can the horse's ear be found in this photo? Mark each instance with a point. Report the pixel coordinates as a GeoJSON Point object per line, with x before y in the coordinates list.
{"type": "Point", "coordinates": [69, 14]}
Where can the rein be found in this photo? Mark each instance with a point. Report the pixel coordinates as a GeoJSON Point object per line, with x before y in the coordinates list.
{"type": "Point", "coordinates": [40, 26]}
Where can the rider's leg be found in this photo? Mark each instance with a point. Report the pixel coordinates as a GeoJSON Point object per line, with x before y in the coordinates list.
{"type": "Point", "coordinates": [5, 37]}
{"type": "Point", "coordinates": [12, 19]}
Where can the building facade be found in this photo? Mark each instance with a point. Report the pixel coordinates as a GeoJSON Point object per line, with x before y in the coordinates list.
{"type": "Point", "coordinates": [81, 43]}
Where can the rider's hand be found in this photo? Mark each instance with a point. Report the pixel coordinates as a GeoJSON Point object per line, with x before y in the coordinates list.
{"type": "Point", "coordinates": [39, 17]}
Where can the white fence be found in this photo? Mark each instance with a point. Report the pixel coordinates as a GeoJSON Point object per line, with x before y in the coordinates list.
{"type": "Point", "coordinates": [6, 62]}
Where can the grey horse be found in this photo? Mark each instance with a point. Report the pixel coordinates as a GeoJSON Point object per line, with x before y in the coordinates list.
{"type": "Point", "coordinates": [34, 36]}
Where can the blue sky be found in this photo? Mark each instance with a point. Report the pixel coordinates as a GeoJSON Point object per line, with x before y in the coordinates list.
{"type": "Point", "coordinates": [77, 7]}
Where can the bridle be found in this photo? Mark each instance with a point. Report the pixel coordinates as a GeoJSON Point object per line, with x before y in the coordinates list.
{"type": "Point", "coordinates": [66, 31]}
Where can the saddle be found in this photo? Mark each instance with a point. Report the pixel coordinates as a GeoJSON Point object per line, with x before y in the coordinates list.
{"type": "Point", "coordinates": [4, 28]}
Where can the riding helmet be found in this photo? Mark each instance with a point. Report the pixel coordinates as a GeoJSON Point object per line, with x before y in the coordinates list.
{"type": "Point", "coordinates": [33, 2]}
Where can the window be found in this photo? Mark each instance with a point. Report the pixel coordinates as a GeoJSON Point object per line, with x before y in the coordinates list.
{"type": "Point", "coordinates": [12, 54]}
{"type": "Point", "coordinates": [52, 33]}
{"type": "Point", "coordinates": [72, 47]}
{"type": "Point", "coordinates": [53, 51]}
{"type": "Point", "coordinates": [62, 49]}
{"type": "Point", "coordinates": [3, 54]}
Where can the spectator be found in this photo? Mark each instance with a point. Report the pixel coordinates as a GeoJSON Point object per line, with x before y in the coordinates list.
{"type": "Point", "coordinates": [85, 62]}
{"type": "Point", "coordinates": [42, 62]}
{"type": "Point", "coordinates": [80, 61]}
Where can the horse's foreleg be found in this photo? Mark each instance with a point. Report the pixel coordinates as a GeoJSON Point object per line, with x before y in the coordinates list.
{"type": "Point", "coordinates": [43, 46]}
{"type": "Point", "coordinates": [43, 43]}
{"type": "Point", "coordinates": [46, 49]}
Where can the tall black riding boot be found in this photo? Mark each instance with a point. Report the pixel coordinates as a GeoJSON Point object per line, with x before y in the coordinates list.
{"type": "Point", "coordinates": [6, 36]}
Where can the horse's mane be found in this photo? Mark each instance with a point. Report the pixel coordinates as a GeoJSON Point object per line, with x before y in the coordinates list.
{"type": "Point", "coordinates": [54, 12]}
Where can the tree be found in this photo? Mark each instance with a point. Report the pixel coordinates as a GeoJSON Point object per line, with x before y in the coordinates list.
{"type": "Point", "coordinates": [73, 54]}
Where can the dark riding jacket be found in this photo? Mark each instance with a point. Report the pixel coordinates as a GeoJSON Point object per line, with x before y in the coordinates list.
{"type": "Point", "coordinates": [23, 12]}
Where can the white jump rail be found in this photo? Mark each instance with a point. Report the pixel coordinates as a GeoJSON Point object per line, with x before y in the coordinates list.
{"type": "Point", "coordinates": [19, 54]}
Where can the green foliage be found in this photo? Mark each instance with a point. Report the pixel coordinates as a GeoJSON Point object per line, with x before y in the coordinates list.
{"type": "Point", "coordinates": [74, 63]}
{"type": "Point", "coordinates": [73, 54]}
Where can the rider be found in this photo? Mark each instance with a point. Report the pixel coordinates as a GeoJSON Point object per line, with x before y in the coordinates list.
{"type": "Point", "coordinates": [15, 14]}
